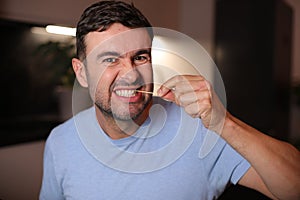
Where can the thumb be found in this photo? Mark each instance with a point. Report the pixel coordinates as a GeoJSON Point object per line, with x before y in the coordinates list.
{"type": "Point", "coordinates": [166, 93]}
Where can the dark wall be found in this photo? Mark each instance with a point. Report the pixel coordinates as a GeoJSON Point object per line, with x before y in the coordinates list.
{"type": "Point", "coordinates": [253, 54]}
{"type": "Point", "coordinates": [27, 103]}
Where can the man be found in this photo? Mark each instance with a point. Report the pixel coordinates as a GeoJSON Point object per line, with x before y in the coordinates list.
{"type": "Point", "coordinates": [117, 150]}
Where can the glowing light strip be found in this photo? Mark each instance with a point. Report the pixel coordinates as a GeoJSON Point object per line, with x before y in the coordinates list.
{"type": "Point", "coordinates": [61, 30]}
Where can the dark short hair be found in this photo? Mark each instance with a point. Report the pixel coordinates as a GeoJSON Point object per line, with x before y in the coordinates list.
{"type": "Point", "coordinates": [99, 16]}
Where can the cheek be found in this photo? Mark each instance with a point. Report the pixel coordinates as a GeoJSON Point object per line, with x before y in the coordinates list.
{"type": "Point", "coordinates": [105, 80]}
{"type": "Point", "coordinates": [147, 73]}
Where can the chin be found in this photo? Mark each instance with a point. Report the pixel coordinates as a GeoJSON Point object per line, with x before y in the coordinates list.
{"type": "Point", "coordinates": [127, 116]}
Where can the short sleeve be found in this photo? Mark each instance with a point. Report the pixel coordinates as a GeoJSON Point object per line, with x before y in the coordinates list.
{"type": "Point", "coordinates": [50, 188]}
{"type": "Point", "coordinates": [225, 166]}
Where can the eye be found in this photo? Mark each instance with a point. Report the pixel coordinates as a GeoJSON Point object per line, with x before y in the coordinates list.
{"type": "Point", "coordinates": [141, 59]}
{"type": "Point", "coordinates": [110, 60]}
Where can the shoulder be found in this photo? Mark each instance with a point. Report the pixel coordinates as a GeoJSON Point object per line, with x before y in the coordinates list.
{"type": "Point", "coordinates": [66, 133]}
{"type": "Point", "coordinates": [64, 130]}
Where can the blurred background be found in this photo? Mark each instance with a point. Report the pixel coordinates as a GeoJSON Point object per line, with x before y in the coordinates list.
{"type": "Point", "coordinates": [255, 45]}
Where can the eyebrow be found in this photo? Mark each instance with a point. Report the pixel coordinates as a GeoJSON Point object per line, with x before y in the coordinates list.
{"type": "Point", "coordinates": [108, 53]}
{"type": "Point", "coordinates": [142, 51]}
{"type": "Point", "coordinates": [116, 54]}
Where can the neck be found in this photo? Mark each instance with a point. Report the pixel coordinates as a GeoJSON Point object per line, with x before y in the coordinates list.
{"type": "Point", "coordinates": [117, 129]}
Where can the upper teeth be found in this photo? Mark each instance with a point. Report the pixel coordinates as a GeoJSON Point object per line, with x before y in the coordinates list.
{"type": "Point", "coordinates": [125, 93]}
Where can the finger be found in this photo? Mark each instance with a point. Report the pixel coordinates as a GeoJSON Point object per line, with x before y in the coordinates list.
{"type": "Point", "coordinates": [200, 110]}
{"type": "Point", "coordinates": [170, 84]}
{"type": "Point", "coordinates": [194, 96]}
{"type": "Point", "coordinates": [191, 86]}
{"type": "Point", "coordinates": [177, 80]}
{"type": "Point", "coordinates": [169, 96]}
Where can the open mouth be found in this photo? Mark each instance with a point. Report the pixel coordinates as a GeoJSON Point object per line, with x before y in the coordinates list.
{"type": "Point", "coordinates": [131, 92]}
{"type": "Point", "coordinates": [126, 93]}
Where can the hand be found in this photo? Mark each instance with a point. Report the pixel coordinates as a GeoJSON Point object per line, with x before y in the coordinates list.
{"type": "Point", "coordinates": [196, 96]}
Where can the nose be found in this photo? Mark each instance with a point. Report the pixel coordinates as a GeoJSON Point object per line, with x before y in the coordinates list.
{"type": "Point", "coordinates": [129, 72]}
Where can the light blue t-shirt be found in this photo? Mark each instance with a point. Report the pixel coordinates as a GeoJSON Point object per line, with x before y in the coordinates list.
{"type": "Point", "coordinates": [161, 161]}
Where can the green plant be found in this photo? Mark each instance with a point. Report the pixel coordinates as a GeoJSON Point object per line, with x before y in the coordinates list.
{"type": "Point", "coordinates": [56, 60]}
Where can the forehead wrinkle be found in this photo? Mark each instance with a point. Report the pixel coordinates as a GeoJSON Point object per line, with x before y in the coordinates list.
{"type": "Point", "coordinates": [121, 43]}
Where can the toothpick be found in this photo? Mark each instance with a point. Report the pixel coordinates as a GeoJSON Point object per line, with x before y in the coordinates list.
{"type": "Point", "coordinates": [142, 91]}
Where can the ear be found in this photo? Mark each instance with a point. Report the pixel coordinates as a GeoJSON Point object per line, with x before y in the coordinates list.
{"type": "Point", "coordinates": [80, 72]}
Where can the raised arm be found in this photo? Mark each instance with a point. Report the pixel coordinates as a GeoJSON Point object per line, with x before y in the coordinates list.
{"type": "Point", "coordinates": [275, 164]}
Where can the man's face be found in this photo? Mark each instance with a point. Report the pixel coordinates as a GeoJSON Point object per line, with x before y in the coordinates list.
{"type": "Point", "coordinates": [118, 63]}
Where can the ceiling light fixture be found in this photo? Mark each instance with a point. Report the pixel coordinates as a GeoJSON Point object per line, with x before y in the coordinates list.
{"type": "Point", "coordinates": [61, 30]}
